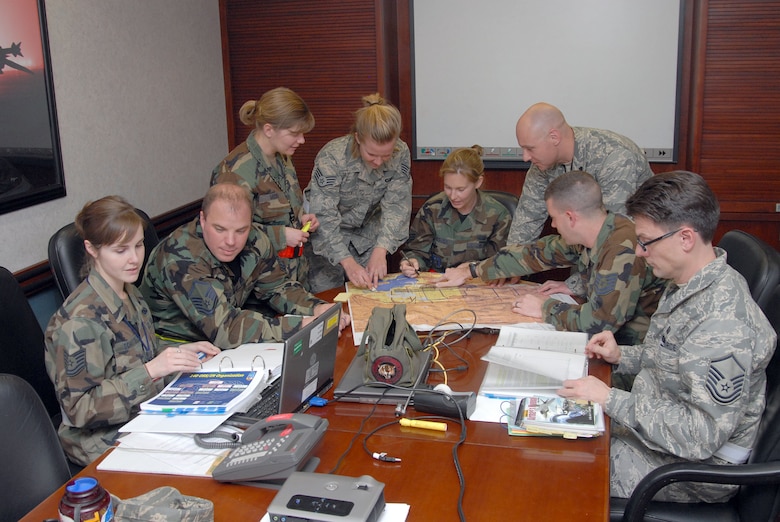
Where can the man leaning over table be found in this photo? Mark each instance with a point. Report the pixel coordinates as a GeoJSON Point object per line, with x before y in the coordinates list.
{"type": "Point", "coordinates": [199, 278]}
{"type": "Point", "coordinates": [699, 390]}
{"type": "Point", "coordinates": [620, 290]}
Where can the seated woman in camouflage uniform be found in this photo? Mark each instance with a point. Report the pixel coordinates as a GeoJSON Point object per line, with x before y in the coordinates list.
{"type": "Point", "coordinates": [101, 351]}
{"type": "Point", "coordinates": [459, 224]}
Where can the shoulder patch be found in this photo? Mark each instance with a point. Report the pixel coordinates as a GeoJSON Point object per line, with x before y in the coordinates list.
{"type": "Point", "coordinates": [605, 283]}
{"type": "Point", "coordinates": [323, 180]}
{"type": "Point", "coordinates": [203, 297]}
{"type": "Point", "coordinates": [75, 363]}
{"type": "Point", "coordinates": [725, 380]}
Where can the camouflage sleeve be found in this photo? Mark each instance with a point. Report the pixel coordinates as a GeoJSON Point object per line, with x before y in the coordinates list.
{"type": "Point", "coordinates": [518, 260]}
{"type": "Point", "coordinates": [690, 422]}
{"type": "Point", "coordinates": [498, 239]}
{"type": "Point", "coordinates": [324, 196]}
{"type": "Point", "coordinates": [421, 235]}
{"type": "Point", "coordinates": [612, 294]}
{"type": "Point", "coordinates": [397, 206]}
{"type": "Point", "coordinates": [531, 211]}
{"type": "Point", "coordinates": [203, 302]}
{"type": "Point", "coordinates": [78, 353]}
{"type": "Point", "coordinates": [621, 174]}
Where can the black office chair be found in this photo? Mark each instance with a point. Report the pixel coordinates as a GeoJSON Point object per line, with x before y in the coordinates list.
{"type": "Point", "coordinates": [66, 254]}
{"type": "Point", "coordinates": [758, 499]}
{"type": "Point", "coordinates": [758, 263]}
{"type": "Point", "coordinates": [34, 465]}
{"type": "Point", "coordinates": [21, 343]}
{"type": "Point", "coordinates": [507, 199]}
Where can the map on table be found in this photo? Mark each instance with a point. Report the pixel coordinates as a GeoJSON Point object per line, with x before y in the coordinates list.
{"type": "Point", "coordinates": [427, 306]}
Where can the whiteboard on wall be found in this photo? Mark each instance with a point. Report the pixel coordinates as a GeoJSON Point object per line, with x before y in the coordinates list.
{"type": "Point", "coordinates": [610, 64]}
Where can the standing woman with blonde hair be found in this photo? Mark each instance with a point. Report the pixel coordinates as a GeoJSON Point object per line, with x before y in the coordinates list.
{"type": "Point", "coordinates": [361, 190]}
{"type": "Point", "coordinates": [263, 164]}
{"type": "Point", "coordinates": [460, 224]}
{"type": "Point", "coordinates": [101, 351]}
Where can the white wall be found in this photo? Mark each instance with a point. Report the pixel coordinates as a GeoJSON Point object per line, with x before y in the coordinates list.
{"type": "Point", "coordinates": [141, 105]}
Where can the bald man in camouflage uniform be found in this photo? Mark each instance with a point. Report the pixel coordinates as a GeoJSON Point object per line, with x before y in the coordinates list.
{"type": "Point", "coordinates": [553, 147]}
{"type": "Point", "coordinates": [195, 292]}
{"type": "Point", "coordinates": [621, 292]}
{"type": "Point", "coordinates": [699, 391]}
{"type": "Point", "coordinates": [278, 197]}
{"type": "Point", "coordinates": [359, 208]}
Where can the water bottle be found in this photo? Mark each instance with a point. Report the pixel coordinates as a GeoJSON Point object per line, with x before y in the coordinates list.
{"type": "Point", "coordinates": [85, 500]}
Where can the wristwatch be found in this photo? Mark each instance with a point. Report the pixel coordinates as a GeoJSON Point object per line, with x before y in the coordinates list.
{"type": "Point", "coordinates": [473, 269]}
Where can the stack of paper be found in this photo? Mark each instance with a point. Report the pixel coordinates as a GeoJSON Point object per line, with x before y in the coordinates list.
{"type": "Point", "coordinates": [547, 415]}
{"type": "Point", "coordinates": [525, 361]}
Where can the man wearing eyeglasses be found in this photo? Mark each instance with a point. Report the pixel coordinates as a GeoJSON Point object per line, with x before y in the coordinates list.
{"type": "Point", "coordinates": [620, 291]}
{"type": "Point", "coordinates": [699, 390]}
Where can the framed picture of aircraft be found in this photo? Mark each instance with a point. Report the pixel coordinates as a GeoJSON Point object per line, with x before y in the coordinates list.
{"type": "Point", "coordinates": [30, 160]}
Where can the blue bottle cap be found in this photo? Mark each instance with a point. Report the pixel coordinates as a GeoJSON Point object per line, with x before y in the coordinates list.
{"type": "Point", "coordinates": [81, 485]}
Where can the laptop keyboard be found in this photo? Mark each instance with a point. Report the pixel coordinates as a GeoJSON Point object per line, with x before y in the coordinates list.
{"type": "Point", "coordinates": [268, 405]}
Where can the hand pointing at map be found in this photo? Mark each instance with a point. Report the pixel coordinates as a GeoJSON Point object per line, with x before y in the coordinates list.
{"type": "Point", "coordinates": [454, 276]}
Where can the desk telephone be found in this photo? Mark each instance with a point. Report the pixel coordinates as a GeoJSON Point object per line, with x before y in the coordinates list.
{"type": "Point", "coordinates": [273, 448]}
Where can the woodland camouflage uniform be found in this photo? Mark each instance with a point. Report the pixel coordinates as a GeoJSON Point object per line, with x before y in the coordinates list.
{"type": "Point", "coordinates": [699, 386]}
{"type": "Point", "coordinates": [617, 164]}
{"type": "Point", "coordinates": [194, 296]}
{"type": "Point", "coordinates": [278, 199]}
{"type": "Point", "coordinates": [358, 208]}
{"type": "Point", "coordinates": [440, 237]}
{"type": "Point", "coordinates": [621, 292]}
{"type": "Point", "coordinates": [95, 354]}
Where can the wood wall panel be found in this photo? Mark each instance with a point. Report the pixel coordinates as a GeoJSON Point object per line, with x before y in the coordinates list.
{"type": "Point", "coordinates": [740, 121]}
{"type": "Point", "coordinates": [326, 51]}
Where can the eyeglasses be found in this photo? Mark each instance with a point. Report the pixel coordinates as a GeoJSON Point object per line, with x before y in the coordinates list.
{"type": "Point", "coordinates": [645, 244]}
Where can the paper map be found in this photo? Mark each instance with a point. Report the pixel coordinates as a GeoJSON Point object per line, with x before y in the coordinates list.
{"type": "Point", "coordinates": [427, 306]}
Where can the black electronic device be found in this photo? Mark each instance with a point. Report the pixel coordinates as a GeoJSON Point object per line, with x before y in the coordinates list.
{"type": "Point", "coordinates": [320, 497]}
{"type": "Point", "coordinates": [273, 448]}
{"type": "Point", "coordinates": [445, 404]}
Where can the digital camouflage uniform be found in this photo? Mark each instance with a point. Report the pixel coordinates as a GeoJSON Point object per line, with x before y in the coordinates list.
{"type": "Point", "coordinates": [441, 237]}
{"type": "Point", "coordinates": [277, 194]}
{"type": "Point", "coordinates": [617, 163]}
{"type": "Point", "coordinates": [95, 354]}
{"type": "Point", "coordinates": [358, 208]}
{"type": "Point", "coordinates": [700, 383]}
{"type": "Point", "coordinates": [194, 296]}
{"type": "Point", "coordinates": [621, 290]}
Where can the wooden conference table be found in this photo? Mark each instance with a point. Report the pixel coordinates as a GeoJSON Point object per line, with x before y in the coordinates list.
{"type": "Point", "coordinates": [507, 478]}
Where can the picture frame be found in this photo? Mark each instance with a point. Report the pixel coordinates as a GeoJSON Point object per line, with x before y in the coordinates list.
{"type": "Point", "coordinates": [30, 157]}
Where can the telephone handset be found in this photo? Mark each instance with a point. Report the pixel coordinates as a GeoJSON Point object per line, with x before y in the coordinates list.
{"type": "Point", "coordinates": [273, 448]}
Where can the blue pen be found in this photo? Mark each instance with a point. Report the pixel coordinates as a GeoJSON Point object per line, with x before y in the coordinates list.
{"type": "Point", "coordinates": [502, 397]}
{"type": "Point", "coordinates": [201, 356]}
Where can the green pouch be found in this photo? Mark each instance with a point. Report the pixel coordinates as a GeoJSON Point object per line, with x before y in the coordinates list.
{"type": "Point", "coordinates": [390, 347]}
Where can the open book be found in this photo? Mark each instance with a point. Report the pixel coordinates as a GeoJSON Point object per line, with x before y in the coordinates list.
{"type": "Point", "coordinates": [524, 361]}
{"type": "Point", "coordinates": [228, 383]}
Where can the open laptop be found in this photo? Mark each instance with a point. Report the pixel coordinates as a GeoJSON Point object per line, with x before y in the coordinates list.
{"type": "Point", "coordinates": [308, 364]}
{"type": "Point", "coordinates": [351, 387]}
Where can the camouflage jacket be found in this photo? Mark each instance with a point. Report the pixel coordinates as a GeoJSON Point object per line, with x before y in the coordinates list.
{"type": "Point", "coordinates": [440, 237]}
{"type": "Point", "coordinates": [354, 204]}
{"type": "Point", "coordinates": [277, 192]}
{"type": "Point", "coordinates": [194, 296]}
{"type": "Point", "coordinates": [95, 354]}
{"type": "Point", "coordinates": [617, 163]}
{"type": "Point", "coordinates": [700, 374]}
{"type": "Point", "coordinates": [622, 292]}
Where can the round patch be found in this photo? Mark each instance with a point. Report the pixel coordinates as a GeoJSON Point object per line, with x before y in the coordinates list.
{"type": "Point", "coordinates": [387, 369]}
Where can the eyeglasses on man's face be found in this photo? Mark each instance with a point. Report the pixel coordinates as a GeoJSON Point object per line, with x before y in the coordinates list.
{"type": "Point", "coordinates": [645, 244]}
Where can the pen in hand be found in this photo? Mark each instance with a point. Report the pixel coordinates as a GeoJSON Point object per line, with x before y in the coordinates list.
{"type": "Point", "coordinates": [416, 271]}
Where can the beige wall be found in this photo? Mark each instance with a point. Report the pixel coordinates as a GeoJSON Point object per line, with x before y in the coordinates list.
{"type": "Point", "coordinates": [141, 106]}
